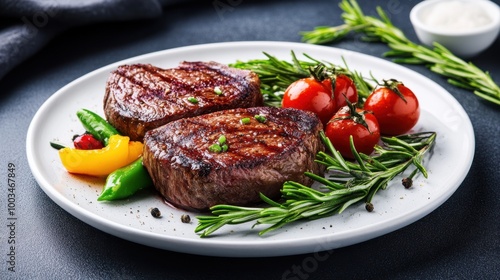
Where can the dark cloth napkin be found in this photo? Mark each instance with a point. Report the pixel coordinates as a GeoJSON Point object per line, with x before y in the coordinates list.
{"type": "Point", "coordinates": [28, 25]}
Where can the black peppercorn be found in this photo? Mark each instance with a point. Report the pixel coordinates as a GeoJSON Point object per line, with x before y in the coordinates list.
{"type": "Point", "coordinates": [155, 212]}
{"type": "Point", "coordinates": [407, 182]}
{"type": "Point", "coordinates": [369, 207]}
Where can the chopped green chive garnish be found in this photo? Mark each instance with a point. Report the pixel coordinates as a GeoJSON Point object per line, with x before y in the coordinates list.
{"type": "Point", "coordinates": [215, 148]}
{"type": "Point", "coordinates": [245, 120]}
{"type": "Point", "coordinates": [192, 100]}
{"type": "Point", "coordinates": [260, 118]}
{"type": "Point", "coordinates": [217, 90]}
{"type": "Point", "coordinates": [222, 139]}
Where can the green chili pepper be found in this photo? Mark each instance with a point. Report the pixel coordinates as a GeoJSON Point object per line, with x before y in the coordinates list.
{"type": "Point", "coordinates": [96, 125]}
{"type": "Point", "coordinates": [126, 181]}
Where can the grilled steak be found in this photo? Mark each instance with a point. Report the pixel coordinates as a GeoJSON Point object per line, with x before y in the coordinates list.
{"type": "Point", "coordinates": [260, 157]}
{"type": "Point", "coordinates": [142, 97]}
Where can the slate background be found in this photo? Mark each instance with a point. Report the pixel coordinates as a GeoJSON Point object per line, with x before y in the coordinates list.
{"type": "Point", "coordinates": [459, 240]}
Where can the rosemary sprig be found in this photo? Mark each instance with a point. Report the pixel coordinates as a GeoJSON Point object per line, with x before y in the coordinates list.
{"type": "Point", "coordinates": [276, 75]}
{"type": "Point", "coordinates": [439, 59]}
{"type": "Point", "coordinates": [347, 183]}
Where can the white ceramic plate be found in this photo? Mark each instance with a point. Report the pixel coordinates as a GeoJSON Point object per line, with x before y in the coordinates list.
{"type": "Point", "coordinates": [131, 219]}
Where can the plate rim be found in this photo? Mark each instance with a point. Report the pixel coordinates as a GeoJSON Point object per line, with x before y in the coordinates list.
{"type": "Point", "coordinates": [225, 247]}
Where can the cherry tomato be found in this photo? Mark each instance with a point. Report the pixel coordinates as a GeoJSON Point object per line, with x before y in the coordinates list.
{"type": "Point", "coordinates": [395, 106]}
{"type": "Point", "coordinates": [309, 94]}
{"type": "Point", "coordinates": [344, 87]}
{"type": "Point", "coordinates": [87, 141]}
{"type": "Point", "coordinates": [346, 123]}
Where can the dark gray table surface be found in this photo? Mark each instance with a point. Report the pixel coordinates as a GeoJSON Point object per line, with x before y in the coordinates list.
{"type": "Point", "coordinates": [459, 240]}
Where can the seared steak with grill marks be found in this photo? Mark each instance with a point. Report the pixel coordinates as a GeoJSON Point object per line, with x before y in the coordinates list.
{"type": "Point", "coordinates": [142, 97]}
{"type": "Point", "coordinates": [260, 157]}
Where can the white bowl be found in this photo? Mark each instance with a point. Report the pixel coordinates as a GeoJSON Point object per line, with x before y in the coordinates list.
{"type": "Point", "coordinates": [465, 27]}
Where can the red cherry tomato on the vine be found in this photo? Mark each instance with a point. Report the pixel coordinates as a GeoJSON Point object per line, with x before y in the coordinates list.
{"type": "Point", "coordinates": [344, 124]}
{"type": "Point", "coordinates": [87, 141]}
{"type": "Point", "coordinates": [309, 94]}
{"type": "Point", "coordinates": [344, 87]}
{"type": "Point", "coordinates": [395, 106]}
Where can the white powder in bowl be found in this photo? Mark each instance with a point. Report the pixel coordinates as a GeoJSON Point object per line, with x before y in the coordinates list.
{"type": "Point", "coordinates": [455, 16]}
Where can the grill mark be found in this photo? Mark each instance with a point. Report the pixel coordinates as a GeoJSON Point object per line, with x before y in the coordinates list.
{"type": "Point", "coordinates": [212, 78]}
{"type": "Point", "coordinates": [140, 98]}
{"type": "Point", "coordinates": [178, 85]}
{"type": "Point", "coordinates": [194, 133]}
{"type": "Point", "coordinates": [158, 93]}
{"type": "Point", "coordinates": [263, 142]}
{"type": "Point", "coordinates": [231, 79]}
{"type": "Point", "coordinates": [241, 138]}
{"type": "Point", "coordinates": [131, 76]}
{"type": "Point", "coordinates": [216, 78]}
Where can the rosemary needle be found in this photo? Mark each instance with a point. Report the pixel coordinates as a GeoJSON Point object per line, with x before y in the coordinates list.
{"type": "Point", "coordinates": [276, 75]}
{"type": "Point", "coordinates": [348, 183]}
{"type": "Point", "coordinates": [439, 59]}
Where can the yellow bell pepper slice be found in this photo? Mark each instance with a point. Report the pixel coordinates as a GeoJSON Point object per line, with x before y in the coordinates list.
{"type": "Point", "coordinates": [134, 151]}
{"type": "Point", "coordinates": [119, 152]}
